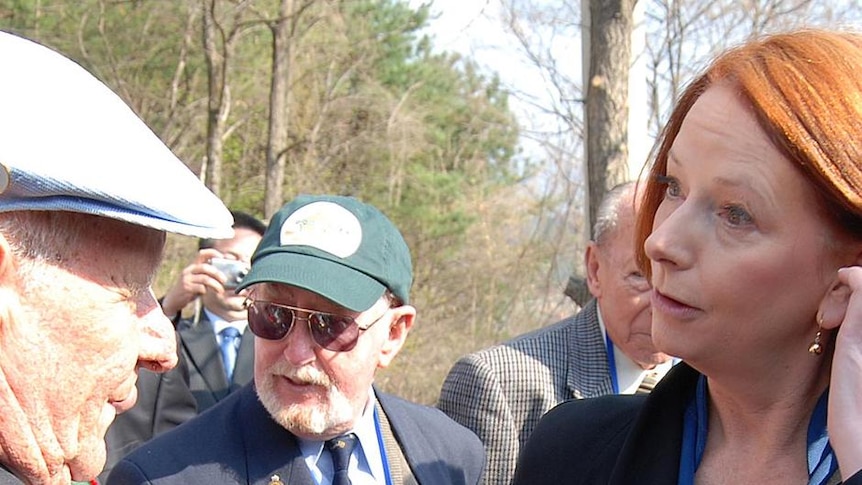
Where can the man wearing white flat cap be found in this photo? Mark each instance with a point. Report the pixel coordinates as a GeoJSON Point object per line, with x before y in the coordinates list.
{"type": "Point", "coordinates": [85, 200]}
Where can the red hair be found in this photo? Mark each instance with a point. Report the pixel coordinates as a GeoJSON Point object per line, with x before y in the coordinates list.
{"type": "Point", "coordinates": [805, 90]}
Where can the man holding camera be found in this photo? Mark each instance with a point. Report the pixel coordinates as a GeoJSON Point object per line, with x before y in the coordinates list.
{"type": "Point", "coordinates": [214, 343]}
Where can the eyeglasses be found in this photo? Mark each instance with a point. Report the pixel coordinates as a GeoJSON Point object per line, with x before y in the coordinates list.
{"type": "Point", "coordinates": [273, 321]}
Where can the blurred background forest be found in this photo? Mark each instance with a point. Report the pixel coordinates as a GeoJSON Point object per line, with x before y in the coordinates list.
{"type": "Point", "coordinates": [267, 99]}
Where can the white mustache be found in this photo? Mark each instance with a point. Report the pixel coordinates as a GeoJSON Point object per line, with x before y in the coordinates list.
{"type": "Point", "coordinates": [305, 375]}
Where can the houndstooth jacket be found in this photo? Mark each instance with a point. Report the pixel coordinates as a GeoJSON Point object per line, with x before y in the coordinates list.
{"type": "Point", "coordinates": [501, 392]}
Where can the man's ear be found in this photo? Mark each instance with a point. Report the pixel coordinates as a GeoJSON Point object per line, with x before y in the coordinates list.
{"type": "Point", "coordinates": [405, 315]}
{"type": "Point", "coordinates": [591, 262]}
{"type": "Point", "coordinates": [8, 278]}
{"type": "Point", "coordinates": [8, 264]}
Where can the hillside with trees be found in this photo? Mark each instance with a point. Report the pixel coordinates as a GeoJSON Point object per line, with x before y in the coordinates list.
{"type": "Point", "coordinates": [267, 99]}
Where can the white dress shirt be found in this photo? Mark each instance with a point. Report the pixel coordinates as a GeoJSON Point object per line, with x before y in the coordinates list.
{"type": "Point", "coordinates": [366, 463]}
{"type": "Point", "coordinates": [629, 374]}
{"type": "Point", "coordinates": [220, 324]}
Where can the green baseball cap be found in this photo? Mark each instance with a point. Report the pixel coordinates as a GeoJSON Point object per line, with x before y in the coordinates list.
{"type": "Point", "coordinates": [338, 247]}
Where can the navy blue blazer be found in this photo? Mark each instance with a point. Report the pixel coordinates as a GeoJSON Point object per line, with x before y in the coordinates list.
{"type": "Point", "coordinates": [614, 440]}
{"type": "Point", "coordinates": [237, 442]}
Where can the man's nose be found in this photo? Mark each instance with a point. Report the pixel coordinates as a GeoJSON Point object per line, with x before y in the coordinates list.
{"type": "Point", "coordinates": [158, 342]}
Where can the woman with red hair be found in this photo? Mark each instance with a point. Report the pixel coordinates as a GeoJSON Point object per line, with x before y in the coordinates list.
{"type": "Point", "coordinates": [751, 233]}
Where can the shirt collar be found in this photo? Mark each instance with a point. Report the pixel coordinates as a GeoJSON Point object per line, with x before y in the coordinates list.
{"type": "Point", "coordinates": [629, 373]}
{"type": "Point", "coordinates": [220, 323]}
{"type": "Point", "coordinates": [368, 452]}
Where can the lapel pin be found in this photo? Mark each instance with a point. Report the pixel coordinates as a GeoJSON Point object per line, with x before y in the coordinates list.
{"type": "Point", "coordinates": [275, 480]}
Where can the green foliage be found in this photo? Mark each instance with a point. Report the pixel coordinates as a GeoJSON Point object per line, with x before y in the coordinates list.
{"type": "Point", "coordinates": [373, 112]}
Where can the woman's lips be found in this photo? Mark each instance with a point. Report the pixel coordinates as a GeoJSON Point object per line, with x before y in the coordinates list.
{"type": "Point", "coordinates": [672, 307]}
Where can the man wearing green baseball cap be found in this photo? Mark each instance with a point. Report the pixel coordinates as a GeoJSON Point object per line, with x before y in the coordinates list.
{"type": "Point", "coordinates": [329, 291]}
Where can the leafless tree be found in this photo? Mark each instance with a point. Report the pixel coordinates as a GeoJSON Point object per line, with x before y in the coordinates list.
{"type": "Point", "coordinates": [279, 106]}
{"type": "Point", "coordinates": [219, 40]}
{"type": "Point", "coordinates": [681, 36]}
{"type": "Point", "coordinates": [610, 40]}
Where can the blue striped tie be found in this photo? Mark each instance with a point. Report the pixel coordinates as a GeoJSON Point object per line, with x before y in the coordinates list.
{"type": "Point", "coordinates": [229, 346]}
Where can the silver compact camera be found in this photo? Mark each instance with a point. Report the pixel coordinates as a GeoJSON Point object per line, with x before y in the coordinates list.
{"type": "Point", "coordinates": [233, 270]}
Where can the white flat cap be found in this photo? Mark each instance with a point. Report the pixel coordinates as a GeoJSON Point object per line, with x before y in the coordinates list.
{"type": "Point", "coordinates": [67, 142]}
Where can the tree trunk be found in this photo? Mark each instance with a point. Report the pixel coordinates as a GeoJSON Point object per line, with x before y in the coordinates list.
{"type": "Point", "coordinates": [607, 97]}
{"type": "Point", "coordinates": [217, 98]}
{"type": "Point", "coordinates": [279, 108]}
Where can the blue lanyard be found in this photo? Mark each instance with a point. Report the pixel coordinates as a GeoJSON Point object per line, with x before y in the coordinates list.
{"type": "Point", "coordinates": [693, 434]}
{"type": "Point", "coordinates": [821, 460]}
{"type": "Point", "coordinates": [612, 364]}
{"type": "Point", "coordinates": [382, 447]}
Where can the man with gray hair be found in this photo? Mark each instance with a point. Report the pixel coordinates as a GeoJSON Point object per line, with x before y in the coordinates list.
{"type": "Point", "coordinates": [87, 192]}
{"type": "Point", "coordinates": [501, 392]}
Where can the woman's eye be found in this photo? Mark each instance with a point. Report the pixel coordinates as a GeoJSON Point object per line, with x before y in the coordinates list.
{"type": "Point", "coordinates": [736, 215]}
{"type": "Point", "coordinates": [671, 184]}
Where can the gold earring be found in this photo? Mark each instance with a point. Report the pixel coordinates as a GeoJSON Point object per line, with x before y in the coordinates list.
{"type": "Point", "coordinates": [816, 348]}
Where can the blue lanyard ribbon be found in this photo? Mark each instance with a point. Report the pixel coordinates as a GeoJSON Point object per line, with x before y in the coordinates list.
{"type": "Point", "coordinates": [612, 364]}
{"type": "Point", "coordinates": [693, 434]}
{"type": "Point", "coordinates": [821, 459]}
{"type": "Point", "coordinates": [382, 446]}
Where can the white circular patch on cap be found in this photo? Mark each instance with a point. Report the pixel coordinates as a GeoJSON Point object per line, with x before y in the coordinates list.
{"type": "Point", "coordinates": [325, 226]}
{"type": "Point", "coordinates": [4, 178]}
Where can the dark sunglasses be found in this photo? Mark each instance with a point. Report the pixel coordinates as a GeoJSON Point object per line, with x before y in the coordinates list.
{"type": "Point", "coordinates": [273, 321]}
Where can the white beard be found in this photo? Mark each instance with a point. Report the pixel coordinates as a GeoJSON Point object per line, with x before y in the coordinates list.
{"type": "Point", "coordinates": [334, 414]}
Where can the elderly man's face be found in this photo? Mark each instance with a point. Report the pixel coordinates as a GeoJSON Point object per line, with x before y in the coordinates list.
{"type": "Point", "coordinates": [623, 293]}
{"type": "Point", "coordinates": [314, 392]}
{"type": "Point", "coordinates": [72, 342]}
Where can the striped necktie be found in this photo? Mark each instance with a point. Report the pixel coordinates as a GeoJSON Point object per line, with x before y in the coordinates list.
{"type": "Point", "coordinates": [229, 346]}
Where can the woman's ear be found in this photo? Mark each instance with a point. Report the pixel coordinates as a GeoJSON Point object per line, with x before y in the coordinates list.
{"type": "Point", "coordinates": [405, 315]}
{"type": "Point", "coordinates": [833, 306]}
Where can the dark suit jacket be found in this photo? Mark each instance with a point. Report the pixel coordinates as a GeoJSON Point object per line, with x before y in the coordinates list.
{"type": "Point", "coordinates": [237, 442]}
{"type": "Point", "coordinates": [617, 439]}
{"type": "Point", "coordinates": [501, 392]}
{"type": "Point", "coordinates": [7, 478]}
{"type": "Point", "coordinates": [206, 370]}
{"type": "Point", "coordinates": [164, 402]}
